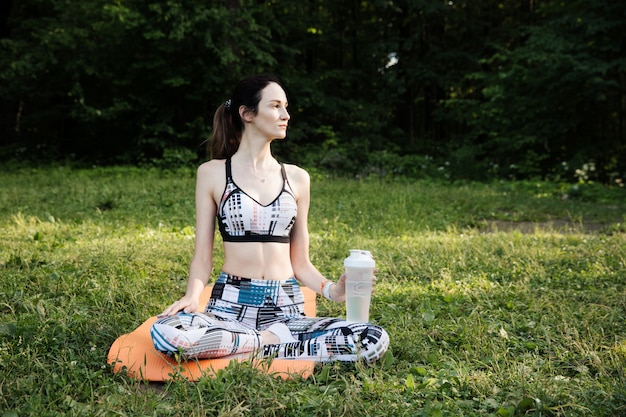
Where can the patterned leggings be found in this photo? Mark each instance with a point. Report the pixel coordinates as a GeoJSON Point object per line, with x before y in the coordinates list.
{"type": "Point", "coordinates": [241, 307]}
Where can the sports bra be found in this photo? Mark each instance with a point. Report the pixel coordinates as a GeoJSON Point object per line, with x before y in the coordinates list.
{"type": "Point", "coordinates": [241, 218]}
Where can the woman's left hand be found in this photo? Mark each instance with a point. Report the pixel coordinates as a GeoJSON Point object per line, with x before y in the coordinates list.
{"type": "Point", "coordinates": [338, 291]}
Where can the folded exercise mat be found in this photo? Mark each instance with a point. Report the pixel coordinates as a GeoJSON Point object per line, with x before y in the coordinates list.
{"type": "Point", "coordinates": [135, 354]}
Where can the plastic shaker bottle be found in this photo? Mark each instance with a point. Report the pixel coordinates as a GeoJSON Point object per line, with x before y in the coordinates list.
{"type": "Point", "coordinates": [359, 272]}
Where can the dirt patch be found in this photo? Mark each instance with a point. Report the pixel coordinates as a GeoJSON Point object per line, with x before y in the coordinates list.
{"type": "Point", "coordinates": [557, 226]}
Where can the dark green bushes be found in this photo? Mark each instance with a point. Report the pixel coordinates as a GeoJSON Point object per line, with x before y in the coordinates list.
{"type": "Point", "coordinates": [491, 89]}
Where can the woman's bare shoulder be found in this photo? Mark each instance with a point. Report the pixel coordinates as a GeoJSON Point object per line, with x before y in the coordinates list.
{"type": "Point", "coordinates": [297, 174]}
{"type": "Point", "coordinates": [211, 167]}
{"type": "Point", "coordinates": [211, 176]}
{"type": "Point", "coordinates": [299, 180]}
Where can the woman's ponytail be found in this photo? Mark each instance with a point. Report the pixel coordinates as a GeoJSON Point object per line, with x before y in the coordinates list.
{"type": "Point", "coordinates": [225, 138]}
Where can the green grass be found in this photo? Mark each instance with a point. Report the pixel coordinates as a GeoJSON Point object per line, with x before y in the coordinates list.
{"type": "Point", "coordinates": [504, 299]}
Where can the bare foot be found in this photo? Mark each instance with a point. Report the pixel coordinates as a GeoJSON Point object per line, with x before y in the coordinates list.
{"type": "Point", "coordinates": [268, 338]}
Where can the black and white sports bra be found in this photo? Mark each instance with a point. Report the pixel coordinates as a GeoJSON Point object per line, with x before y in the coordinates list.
{"type": "Point", "coordinates": [241, 218]}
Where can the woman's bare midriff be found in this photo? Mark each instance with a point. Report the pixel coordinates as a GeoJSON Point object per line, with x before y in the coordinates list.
{"type": "Point", "coordinates": [258, 260]}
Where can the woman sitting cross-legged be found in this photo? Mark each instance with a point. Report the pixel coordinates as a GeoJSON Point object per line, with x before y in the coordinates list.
{"type": "Point", "coordinates": [261, 207]}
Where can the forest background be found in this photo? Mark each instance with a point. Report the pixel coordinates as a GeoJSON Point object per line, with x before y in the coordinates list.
{"type": "Point", "coordinates": [462, 89]}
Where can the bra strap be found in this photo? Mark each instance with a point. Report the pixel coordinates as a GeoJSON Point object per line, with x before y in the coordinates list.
{"type": "Point", "coordinates": [229, 172]}
{"type": "Point", "coordinates": [286, 186]}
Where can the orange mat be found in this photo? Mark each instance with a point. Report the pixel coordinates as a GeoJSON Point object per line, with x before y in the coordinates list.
{"type": "Point", "coordinates": [135, 354]}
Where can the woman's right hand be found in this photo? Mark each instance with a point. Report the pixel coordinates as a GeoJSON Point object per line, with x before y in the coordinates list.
{"type": "Point", "coordinates": [185, 304]}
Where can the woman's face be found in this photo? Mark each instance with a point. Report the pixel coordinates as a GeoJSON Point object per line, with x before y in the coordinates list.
{"type": "Point", "coordinates": [272, 118]}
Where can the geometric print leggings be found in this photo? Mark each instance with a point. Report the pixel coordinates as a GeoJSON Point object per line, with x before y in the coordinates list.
{"type": "Point", "coordinates": [241, 307]}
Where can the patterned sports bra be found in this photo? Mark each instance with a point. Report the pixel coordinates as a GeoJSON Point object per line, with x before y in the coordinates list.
{"type": "Point", "coordinates": [243, 219]}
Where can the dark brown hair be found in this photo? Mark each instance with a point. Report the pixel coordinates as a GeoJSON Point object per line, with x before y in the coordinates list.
{"type": "Point", "coordinates": [227, 124]}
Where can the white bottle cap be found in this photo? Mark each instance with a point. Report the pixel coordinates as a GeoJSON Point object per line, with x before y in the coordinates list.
{"type": "Point", "coordinates": [359, 259]}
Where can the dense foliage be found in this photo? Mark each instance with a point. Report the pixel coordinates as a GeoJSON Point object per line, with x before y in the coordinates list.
{"type": "Point", "coordinates": [506, 88]}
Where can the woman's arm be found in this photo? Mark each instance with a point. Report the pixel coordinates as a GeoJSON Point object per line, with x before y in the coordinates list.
{"type": "Point", "coordinates": [304, 270]}
{"type": "Point", "coordinates": [202, 262]}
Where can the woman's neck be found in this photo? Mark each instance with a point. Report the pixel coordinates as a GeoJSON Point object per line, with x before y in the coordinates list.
{"type": "Point", "coordinates": [256, 155]}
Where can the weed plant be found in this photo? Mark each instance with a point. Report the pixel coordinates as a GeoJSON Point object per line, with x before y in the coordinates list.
{"type": "Point", "coordinates": [504, 299]}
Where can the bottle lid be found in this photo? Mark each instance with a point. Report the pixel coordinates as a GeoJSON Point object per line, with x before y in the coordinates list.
{"type": "Point", "coordinates": [359, 259]}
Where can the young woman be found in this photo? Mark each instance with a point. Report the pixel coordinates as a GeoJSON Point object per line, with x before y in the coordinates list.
{"type": "Point", "coordinates": [261, 207]}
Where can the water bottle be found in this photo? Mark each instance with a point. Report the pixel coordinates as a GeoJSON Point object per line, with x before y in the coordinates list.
{"type": "Point", "coordinates": [359, 272]}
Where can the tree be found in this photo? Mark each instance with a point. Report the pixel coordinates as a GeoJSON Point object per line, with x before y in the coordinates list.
{"type": "Point", "coordinates": [554, 99]}
{"type": "Point", "coordinates": [496, 87]}
{"type": "Point", "coordinates": [106, 81]}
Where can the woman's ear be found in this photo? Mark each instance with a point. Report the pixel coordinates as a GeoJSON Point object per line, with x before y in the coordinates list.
{"type": "Point", "coordinates": [245, 114]}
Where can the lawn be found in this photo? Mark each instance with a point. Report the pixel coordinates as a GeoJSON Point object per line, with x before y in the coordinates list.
{"type": "Point", "coordinates": [501, 299]}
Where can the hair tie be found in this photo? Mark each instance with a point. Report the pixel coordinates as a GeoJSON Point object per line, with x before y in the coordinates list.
{"type": "Point", "coordinates": [227, 104]}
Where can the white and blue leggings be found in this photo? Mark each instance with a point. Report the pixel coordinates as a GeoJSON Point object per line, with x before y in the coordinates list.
{"type": "Point", "coordinates": [239, 308]}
